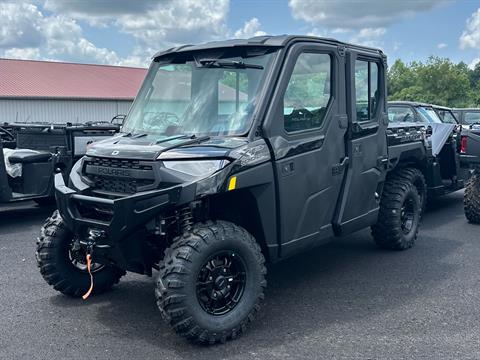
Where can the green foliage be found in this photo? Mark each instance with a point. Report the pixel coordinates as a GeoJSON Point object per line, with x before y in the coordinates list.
{"type": "Point", "coordinates": [437, 81]}
{"type": "Point", "coordinates": [230, 79]}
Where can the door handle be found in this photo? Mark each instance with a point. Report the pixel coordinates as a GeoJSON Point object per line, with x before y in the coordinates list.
{"type": "Point", "coordinates": [288, 168]}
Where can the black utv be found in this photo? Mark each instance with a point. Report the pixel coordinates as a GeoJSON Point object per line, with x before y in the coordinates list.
{"type": "Point", "coordinates": [31, 153]}
{"type": "Point", "coordinates": [467, 116]}
{"type": "Point", "coordinates": [442, 170]}
{"type": "Point", "coordinates": [234, 154]}
{"type": "Point", "coordinates": [469, 149]}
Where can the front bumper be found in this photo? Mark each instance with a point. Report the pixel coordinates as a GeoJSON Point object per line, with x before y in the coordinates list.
{"type": "Point", "coordinates": [127, 213]}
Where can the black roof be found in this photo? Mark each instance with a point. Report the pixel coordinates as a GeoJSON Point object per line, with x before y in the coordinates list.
{"type": "Point", "coordinates": [267, 41]}
{"type": "Point", "coordinates": [416, 103]}
{"type": "Point", "coordinates": [442, 107]}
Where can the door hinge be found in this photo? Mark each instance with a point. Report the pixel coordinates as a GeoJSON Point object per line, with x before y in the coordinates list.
{"type": "Point", "coordinates": [337, 169]}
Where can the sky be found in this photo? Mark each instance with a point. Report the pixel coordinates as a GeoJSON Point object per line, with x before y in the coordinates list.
{"type": "Point", "coordinates": [128, 33]}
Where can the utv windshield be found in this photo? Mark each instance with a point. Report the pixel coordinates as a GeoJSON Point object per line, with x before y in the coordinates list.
{"type": "Point", "coordinates": [428, 115]}
{"type": "Point", "coordinates": [447, 117]}
{"type": "Point", "coordinates": [200, 94]}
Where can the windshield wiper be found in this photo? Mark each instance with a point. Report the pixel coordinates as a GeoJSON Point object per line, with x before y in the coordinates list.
{"type": "Point", "coordinates": [170, 138]}
{"type": "Point", "coordinates": [135, 136]}
{"type": "Point", "coordinates": [215, 63]}
{"type": "Point", "coordinates": [191, 141]}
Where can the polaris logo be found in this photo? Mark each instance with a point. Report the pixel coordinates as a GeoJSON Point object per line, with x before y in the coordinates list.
{"type": "Point", "coordinates": [119, 172]}
{"type": "Point", "coordinates": [107, 171]}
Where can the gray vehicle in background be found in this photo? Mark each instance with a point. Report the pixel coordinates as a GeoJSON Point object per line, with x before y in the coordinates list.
{"type": "Point", "coordinates": [467, 136]}
{"type": "Point", "coordinates": [470, 149]}
{"type": "Point", "coordinates": [32, 153]}
{"type": "Point", "coordinates": [467, 116]}
{"type": "Point", "coordinates": [440, 172]}
{"type": "Point", "coordinates": [446, 114]}
{"type": "Point", "coordinates": [412, 112]}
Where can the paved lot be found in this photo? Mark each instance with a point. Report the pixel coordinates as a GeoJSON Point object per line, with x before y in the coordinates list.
{"type": "Point", "coordinates": [343, 300]}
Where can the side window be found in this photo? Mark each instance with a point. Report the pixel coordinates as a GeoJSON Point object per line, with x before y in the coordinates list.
{"type": "Point", "coordinates": [449, 118]}
{"type": "Point", "coordinates": [308, 92]}
{"type": "Point", "coordinates": [397, 114]}
{"type": "Point", "coordinates": [366, 89]}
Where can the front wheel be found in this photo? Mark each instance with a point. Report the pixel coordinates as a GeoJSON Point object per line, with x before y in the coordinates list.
{"type": "Point", "coordinates": [63, 266]}
{"type": "Point", "coordinates": [211, 282]}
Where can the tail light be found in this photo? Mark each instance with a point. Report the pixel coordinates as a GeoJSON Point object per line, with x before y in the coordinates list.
{"type": "Point", "coordinates": [463, 145]}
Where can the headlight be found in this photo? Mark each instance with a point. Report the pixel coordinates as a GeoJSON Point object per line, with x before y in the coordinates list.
{"type": "Point", "coordinates": [197, 167]}
{"type": "Point", "coordinates": [76, 178]}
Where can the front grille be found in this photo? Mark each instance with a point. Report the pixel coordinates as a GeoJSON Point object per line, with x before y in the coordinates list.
{"type": "Point", "coordinates": [118, 175]}
{"type": "Point", "coordinates": [118, 163]}
{"type": "Point", "coordinates": [118, 185]}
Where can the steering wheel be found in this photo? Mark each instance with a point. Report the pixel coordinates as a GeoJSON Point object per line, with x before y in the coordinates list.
{"type": "Point", "coordinates": [407, 116]}
{"type": "Point", "coordinates": [6, 135]}
{"type": "Point", "coordinates": [163, 119]}
{"type": "Point", "coordinates": [299, 108]}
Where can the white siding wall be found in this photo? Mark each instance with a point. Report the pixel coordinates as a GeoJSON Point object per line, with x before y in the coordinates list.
{"type": "Point", "coordinates": [60, 111]}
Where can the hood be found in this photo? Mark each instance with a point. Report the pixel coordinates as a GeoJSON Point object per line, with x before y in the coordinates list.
{"type": "Point", "coordinates": [150, 147]}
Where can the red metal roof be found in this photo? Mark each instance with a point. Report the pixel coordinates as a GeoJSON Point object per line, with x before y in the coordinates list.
{"type": "Point", "coordinates": [47, 79]}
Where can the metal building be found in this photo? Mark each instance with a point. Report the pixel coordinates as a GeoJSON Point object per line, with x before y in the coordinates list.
{"type": "Point", "coordinates": [56, 92]}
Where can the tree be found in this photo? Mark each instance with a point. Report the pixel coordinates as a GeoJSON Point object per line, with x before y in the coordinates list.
{"type": "Point", "coordinates": [437, 81]}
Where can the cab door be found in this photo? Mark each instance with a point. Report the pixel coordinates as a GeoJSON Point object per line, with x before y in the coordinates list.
{"type": "Point", "coordinates": [306, 126]}
{"type": "Point", "coordinates": [366, 142]}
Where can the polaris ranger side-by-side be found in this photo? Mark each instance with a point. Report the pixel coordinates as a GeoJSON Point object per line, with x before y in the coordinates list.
{"type": "Point", "coordinates": [235, 153]}
{"type": "Point", "coordinates": [469, 120]}
{"type": "Point", "coordinates": [31, 153]}
{"type": "Point", "coordinates": [470, 150]}
{"type": "Point", "coordinates": [443, 169]}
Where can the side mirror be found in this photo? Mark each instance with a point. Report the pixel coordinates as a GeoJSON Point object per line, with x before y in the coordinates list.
{"type": "Point", "coordinates": [118, 119]}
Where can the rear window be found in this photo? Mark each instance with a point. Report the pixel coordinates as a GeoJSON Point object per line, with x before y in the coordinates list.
{"type": "Point", "coordinates": [472, 117]}
{"type": "Point", "coordinates": [398, 114]}
{"type": "Point", "coordinates": [446, 116]}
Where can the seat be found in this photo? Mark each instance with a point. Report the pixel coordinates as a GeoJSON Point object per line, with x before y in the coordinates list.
{"type": "Point", "coordinates": [28, 157]}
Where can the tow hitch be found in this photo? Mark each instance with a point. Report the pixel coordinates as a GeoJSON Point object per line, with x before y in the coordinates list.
{"type": "Point", "coordinates": [93, 236]}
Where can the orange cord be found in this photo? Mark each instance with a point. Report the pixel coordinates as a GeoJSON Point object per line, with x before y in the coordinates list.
{"type": "Point", "coordinates": [89, 266]}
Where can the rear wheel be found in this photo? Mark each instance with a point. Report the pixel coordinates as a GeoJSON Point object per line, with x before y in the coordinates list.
{"type": "Point", "coordinates": [415, 177]}
{"type": "Point", "coordinates": [399, 216]}
{"type": "Point", "coordinates": [471, 199]}
{"type": "Point", "coordinates": [63, 266]}
{"type": "Point", "coordinates": [211, 282]}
